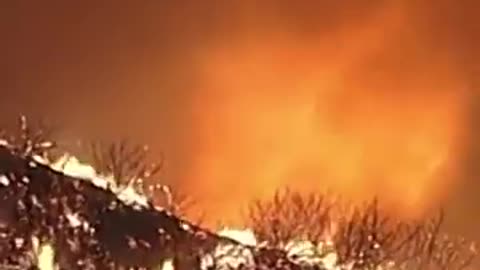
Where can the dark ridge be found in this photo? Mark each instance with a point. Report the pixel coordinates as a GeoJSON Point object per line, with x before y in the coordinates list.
{"type": "Point", "coordinates": [37, 202]}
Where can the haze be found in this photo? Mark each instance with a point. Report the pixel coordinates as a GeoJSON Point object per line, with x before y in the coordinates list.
{"type": "Point", "coordinates": [362, 97]}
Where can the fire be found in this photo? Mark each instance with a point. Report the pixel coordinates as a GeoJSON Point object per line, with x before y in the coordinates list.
{"type": "Point", "coordinates": [44, 254]}
{"type": "Point", "coordinates": [72, 166]}
{"type": "Point", "coordinates": [342, 112]}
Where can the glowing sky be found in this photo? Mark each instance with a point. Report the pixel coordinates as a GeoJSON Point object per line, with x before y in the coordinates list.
{"type": "Point", "coordinates": [364, 97]}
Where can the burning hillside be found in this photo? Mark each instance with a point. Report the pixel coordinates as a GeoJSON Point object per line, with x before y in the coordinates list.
{"type": "Point", "coordinates": [65, 215]}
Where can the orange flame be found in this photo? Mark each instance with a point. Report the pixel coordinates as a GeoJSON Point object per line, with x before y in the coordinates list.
{"type": "Point", "coordinates": [347, 112]}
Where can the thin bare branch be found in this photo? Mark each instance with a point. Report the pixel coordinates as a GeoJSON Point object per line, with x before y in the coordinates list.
{"type": "Point", "coordinates": [289, 216]}
{"type": "Point", "coordinates": [127, 163]}
{"type": "Point", "coordinates": [30, 140]}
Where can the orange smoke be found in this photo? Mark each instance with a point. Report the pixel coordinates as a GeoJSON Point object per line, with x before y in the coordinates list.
{"type": "Point", "coordinates": [365, 110]}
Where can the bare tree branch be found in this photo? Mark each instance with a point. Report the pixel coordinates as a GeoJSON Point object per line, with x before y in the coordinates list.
{"type": "Point", "coordinates": [125, 162]}
{"type": "Point", "coordinates": [433, 249]}
{"type": "Point", "coordinates": [129, 166]}
{"type": "Point", "coordinates": [30, 140]}
{"type": "Point", "coordinates": [368, 238]}
{"type": "Point", "coordinates": [289, 216]}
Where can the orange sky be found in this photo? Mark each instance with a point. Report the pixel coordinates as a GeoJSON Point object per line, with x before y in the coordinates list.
{"type": "Point", "coordinates": [277, 110]}
{"type": "Point", "coordinates": [245, 96]}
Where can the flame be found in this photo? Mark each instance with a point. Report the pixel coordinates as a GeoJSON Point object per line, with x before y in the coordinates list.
{"type": "Point", "coordinates": [302, 252]}
{"type": "Point", "coordinates": [342, 112]}
{"type": "Point", "coordinates": [243, 236]}
{"type": "Point", "coordinates": [72, 166]}
{"type": "Point", "coordinates": [45, 255]}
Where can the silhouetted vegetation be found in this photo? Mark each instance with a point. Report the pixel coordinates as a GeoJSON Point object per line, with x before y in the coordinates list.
{"type": "Point", "coordinates": [129, 165]}
{"type": "Point", "coordinates": [290, 216]}
{"type": "Point", "coordinates": [92, 228]}
{"type": "Point", "coordinates": [361, 237]}
{"type": "Point", "coordinates": [30, 139]}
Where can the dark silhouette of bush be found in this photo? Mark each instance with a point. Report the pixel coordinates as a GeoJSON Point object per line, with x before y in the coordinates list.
{"type": "Point", "coordinates": [38, 204]}
{"type": "Point", "coordinates": [289, 215]}
{"type": "Point", "coordinates": [363, 237]}
{"type": "Point", "coordinates": [129, 165]}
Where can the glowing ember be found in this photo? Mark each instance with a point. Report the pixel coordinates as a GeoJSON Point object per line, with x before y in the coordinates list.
{"type": "Point", "coordinates": [4, 180]}
{"type": "Point", "coordinates": [246, 237]}
{"type": "Point", "coordinates": [167, 265]}
{"type": "Point", "coordinates": [228, 256]}
{"type": "Point", "coordinates": [45, 255]}
{"type": "Point", "coordinates": [306, 253]}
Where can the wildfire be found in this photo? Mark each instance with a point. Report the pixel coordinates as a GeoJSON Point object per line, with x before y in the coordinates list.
{"type": "Point", "coordinates": [299, 250]}
{"type": "Point", "coordinates": [70, 165]}
{"type": "Point", "coordinates": [224, 256]}
{"type": "Point", "coordinates": [45, 255]}
{"type": "Point", "coordinates": [341, 112]}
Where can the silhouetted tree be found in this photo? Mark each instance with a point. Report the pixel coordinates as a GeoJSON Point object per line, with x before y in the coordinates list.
{"type": "Point", "coordinates": [367, 238]}
{"type": "Point", "coordinates": [290, 215]}
{"type": "Point", "coordinates": [128, 164]}
{"type": "Point", "coordinates": [433, 249]}
{"type": "Point", "coordinates": [30, 140]}
{"type": "Point", "coordinates": [364, 237]}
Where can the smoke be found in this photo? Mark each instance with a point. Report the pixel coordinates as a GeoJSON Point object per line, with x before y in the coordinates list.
{"type": "Point", "coordinates": [242, 97]}
{"type": "Point", "coordinates": [366, 109]}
